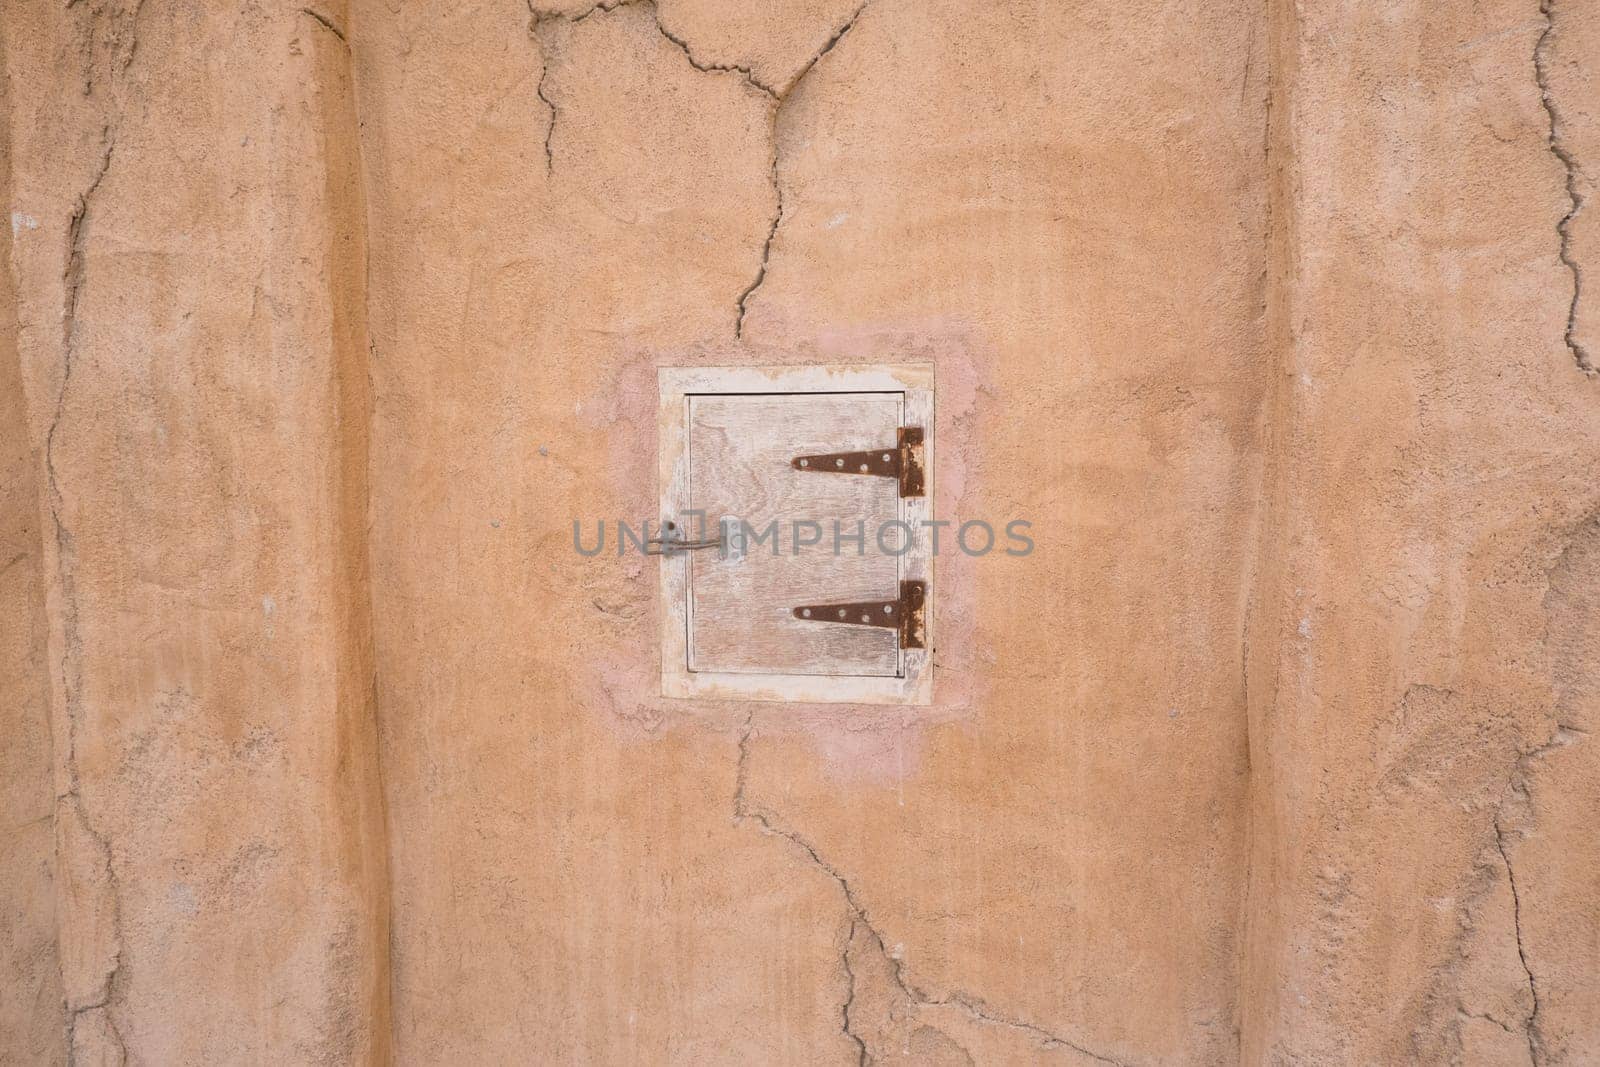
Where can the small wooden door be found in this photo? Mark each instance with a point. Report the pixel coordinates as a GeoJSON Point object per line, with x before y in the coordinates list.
{"type": "Point", "coordinates": [798, 492]}
{"type": "Point", "coordinates": [740, 616]}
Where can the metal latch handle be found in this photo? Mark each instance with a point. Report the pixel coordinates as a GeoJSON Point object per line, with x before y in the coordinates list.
{"type": "Point", "coordinates": [670, 545]}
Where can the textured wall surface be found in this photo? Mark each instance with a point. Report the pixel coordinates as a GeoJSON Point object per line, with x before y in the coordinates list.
{"type": "Point", "coordinates": [32, 1012]}
{"type": "Point", "coordinates": [1001, 191]}
{"type": "Point", "coordinates": [320, 324]}
{"type": "Point", "coordinates": [1425, 660]}
{"type": "Point", "coordinates": [188, 266]}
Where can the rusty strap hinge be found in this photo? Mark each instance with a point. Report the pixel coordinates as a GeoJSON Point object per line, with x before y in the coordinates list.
{"type": "Point", "coordinates": [904, 615]}
{"type": "Point", "coordinates": [903, 462]}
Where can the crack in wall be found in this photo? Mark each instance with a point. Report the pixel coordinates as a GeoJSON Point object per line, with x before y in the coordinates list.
{"type": "Point", "coordinates": [766, 257]}
{"type": "Point", "coordinates": [706, 67]}
{"type": "Point", "coordinates": [538, 19]}
{"type": "Point", "coordinates": [1530, 1025]}
{"type": "Point", "coordinates": [850, 996]}
{"type": "Point", "coordinates": [92, 963]}
{"type": "Point", "coordinates": [550, 129]}
{"type": "Point", "coordinates": [93, 1007]}
{"type": "Point", "coordinates": [119, 42]}
{"type": "Point", "coordinates": [1563, 736]}
{"type": "Point", "coordinates": [777, 97]}
{"type": "Point", "coordinates": [1486, 1017]}
{"type": "Point", "coordinates": [973, 1007]}
{"type": "Point", "coordinates": [1516, 814]}
{"type": "Point", "coordinates": [1541, 74]}
{"type": "Point", "coordinates": [72, 275]}
{"type": "Point", "coordinates": [327, 23]}
{"type": "Point", "coordinates": [74, 278]}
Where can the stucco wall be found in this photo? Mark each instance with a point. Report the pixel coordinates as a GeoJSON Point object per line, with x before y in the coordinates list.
{"type": "Point", "coordinates": [32, 1013]}
{"type": "Point", "coordinates": [188, 262]}
{"type": "Point", "coordinates": [323, 743]}
{"type": "Point", "coordinates": [1424, 649]}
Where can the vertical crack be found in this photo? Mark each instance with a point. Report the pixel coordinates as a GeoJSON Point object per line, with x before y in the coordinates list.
{"type": "Point", "coordinates": [1563, 736]}
{"type": "Point", "coordinates": [90, 918]}
{"type": "Point", "coordinates": [536, 22]}
{"type": "Point", "coordinates": [550, 129]}
{"type": "Point", "coordinates": [778, 100]}
{"type": "Point", "coordinates": [766, 251]}
{"type": "Point", "coordinates": [850, 995]}
{"type": "Point", "coordinates": [537, 19]}
{"type": "Point", "coordinates": [1531, 1023]}
{"type": "Point", "coordinates": [85, 869]}
{"type": "Point", "coordinates": [1556, 141]}
{"type": "Point", "coordinates": [72, 274]}
{"type": "Point", "coordinates": [73, 279]}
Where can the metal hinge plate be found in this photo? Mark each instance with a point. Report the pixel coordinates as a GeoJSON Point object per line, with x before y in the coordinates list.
{"type": "Point", "coordinates": [903, 462]}
{"type": "Point", "coordinates": [904, 615]}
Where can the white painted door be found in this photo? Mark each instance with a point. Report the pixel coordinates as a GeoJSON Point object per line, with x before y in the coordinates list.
{"type": "Point", "coordinates": [740, 615]}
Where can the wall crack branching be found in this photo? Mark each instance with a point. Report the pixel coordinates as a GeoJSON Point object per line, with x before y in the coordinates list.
{"type": "Point", "coordinates": [776, 96]}
{"type": "Point", "coordinates": [859, 920]}
{"type": "Point", "coordinates": [778, 100]}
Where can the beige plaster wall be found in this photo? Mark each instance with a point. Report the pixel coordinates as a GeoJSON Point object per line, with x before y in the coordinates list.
{"type": "Point", "coordinates": [322, 323]}
{"type": "Point", "coordinates": [32, 1012]}
{"type": "Point", "coordinates": [188, 263]}
{"type": "Point", "coordinates": [1072, 231]}
{"type": "Point", "coordinates": [1423, 687]}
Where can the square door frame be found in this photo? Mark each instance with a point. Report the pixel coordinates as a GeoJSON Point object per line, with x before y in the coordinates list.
{"type": "Point", "coordinates": [914, 685]}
